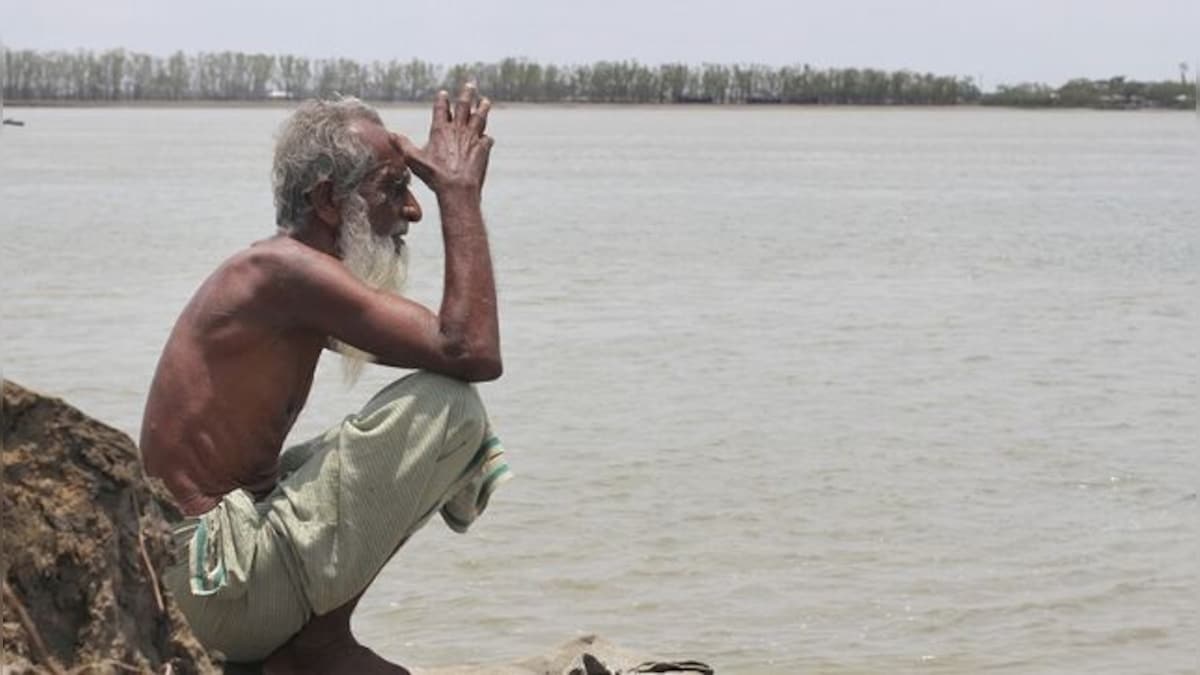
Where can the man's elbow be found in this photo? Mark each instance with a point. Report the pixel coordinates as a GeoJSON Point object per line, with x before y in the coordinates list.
{"type": "Point", "coordinates": [482, 364]}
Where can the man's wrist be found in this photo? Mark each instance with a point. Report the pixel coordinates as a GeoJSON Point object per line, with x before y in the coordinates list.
{"type": "Point", "coordinates": [459, 198]}
{"type": "Point", "coordinates": [462, 216]}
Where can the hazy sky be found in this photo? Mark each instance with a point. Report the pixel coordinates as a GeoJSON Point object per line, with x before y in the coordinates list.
{"type": "Point", "coordinates": [1000, 41]}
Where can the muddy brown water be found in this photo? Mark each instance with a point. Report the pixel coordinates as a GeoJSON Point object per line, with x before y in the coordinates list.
{"type": "Point", "coordinates": [787, 390]}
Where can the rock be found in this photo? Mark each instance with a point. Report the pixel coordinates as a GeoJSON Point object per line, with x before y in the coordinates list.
{"type": "Point", "coordinates": [586, 655]}
{"type": "Point", "coordinates": [78, 591]}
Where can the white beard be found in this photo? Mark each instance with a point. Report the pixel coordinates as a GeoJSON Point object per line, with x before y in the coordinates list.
{"type": "Point", "coordinates": [380, 262]}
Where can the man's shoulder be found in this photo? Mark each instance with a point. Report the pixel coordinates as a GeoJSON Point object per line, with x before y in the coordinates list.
{"type": "Point", "coordinates": [267, 282]}
{"type": "Point", "coordinates": [284, 275]}
{"type": "Point", "coordinates": [275, 258]}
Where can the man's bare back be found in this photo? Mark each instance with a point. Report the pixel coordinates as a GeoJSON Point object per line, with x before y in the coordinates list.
{"type": "Point", "coordinates": [234, 375]}
{"type": "Point", "coordinates": [238, 366]}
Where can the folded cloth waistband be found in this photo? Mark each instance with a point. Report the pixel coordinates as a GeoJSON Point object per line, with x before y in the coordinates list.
{"type": "Point", "coordinates": [181, 534]}
{"type": "Point", "coordinates": [197, 545]}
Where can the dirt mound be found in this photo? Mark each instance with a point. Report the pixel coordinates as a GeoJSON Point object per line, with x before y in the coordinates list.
{"type": "Point", "coordinates": [81, 529]}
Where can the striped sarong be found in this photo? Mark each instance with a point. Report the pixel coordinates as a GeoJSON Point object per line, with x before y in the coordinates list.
{"type": "Point", "coordinates": [251, 573]}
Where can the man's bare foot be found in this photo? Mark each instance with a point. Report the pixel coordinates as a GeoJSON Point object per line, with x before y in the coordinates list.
{"type": "Point", "coordinates": [350, 658]}
{"type": "Point", "coordinates": [326, 645]}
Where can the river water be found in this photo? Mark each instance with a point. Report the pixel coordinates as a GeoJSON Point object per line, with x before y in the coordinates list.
{"type": "Point", "coordinates": [787, 390]}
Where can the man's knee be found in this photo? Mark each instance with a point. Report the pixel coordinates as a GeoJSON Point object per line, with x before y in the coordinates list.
{"type": "Point", "coordinates": [432, 397]}
{"type": "Point", "coordinates": [462, 397]}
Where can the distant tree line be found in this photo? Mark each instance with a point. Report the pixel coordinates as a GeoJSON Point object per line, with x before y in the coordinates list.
{"type": "Point", "coordinates": [120, 75]}
{"type": "Point", "coordinates": [1116, 92]}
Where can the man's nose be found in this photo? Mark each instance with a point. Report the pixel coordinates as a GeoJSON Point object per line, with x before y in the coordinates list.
{"type": "Point", "coordinates": [411, 210]}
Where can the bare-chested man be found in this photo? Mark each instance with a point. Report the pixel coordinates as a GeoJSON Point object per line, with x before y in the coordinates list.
{"type": "Point", "coordinates": [277, 548]}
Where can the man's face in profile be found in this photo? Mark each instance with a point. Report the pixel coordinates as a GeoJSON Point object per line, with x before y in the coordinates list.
{"type": "Point", "coordinates": [375, 218]}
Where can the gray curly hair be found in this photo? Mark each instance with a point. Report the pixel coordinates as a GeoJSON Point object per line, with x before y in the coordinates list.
{"type": "Point", "coordinates": [316, 144]}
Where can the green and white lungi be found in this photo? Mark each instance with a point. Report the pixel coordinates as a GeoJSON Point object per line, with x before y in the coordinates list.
{"type": "Point", "coordinates": [251, 574]}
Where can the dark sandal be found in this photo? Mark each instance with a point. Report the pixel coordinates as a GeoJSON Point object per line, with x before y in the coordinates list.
{"type": "Point", "coordinates": [673, 667]}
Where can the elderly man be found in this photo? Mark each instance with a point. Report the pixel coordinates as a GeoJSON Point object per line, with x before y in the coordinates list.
{"type": "Point", "coordinates": [276, 548]}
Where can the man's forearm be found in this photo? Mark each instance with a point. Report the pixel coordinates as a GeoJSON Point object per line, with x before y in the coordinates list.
{"type": "Point", "coordinates": [468, 315]}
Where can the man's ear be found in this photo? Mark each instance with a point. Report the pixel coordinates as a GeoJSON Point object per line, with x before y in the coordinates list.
{"type": "Point", "coordinates": [322, 202]}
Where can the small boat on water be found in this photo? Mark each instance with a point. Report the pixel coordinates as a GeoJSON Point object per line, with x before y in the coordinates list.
{"type": "Point", "coordinates": [7, 121]}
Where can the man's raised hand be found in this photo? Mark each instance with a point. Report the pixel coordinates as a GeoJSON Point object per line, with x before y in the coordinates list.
{"type": "Point", "coordinates": [455, 159]}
